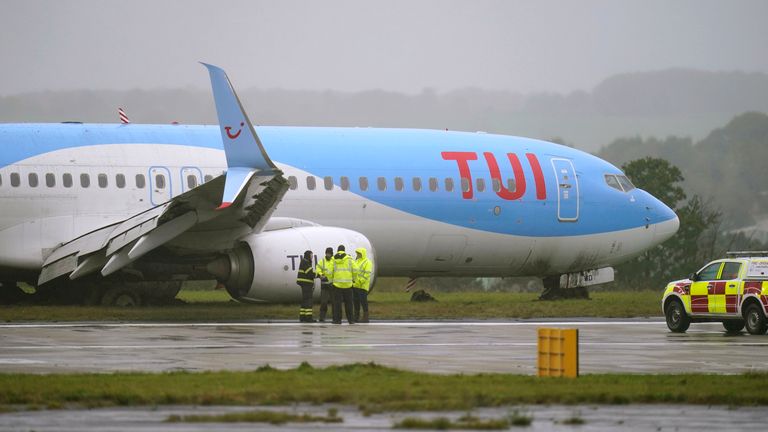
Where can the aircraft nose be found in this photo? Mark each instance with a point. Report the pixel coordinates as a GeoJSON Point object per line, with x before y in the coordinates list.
{"type": "Point", "coordinates": [666, 229]}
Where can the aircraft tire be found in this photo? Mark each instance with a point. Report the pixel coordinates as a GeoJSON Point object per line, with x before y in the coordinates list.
{"type": "Point", "coordinates": [677, 320]}
{"type": "Point", "coordinates": [755, 319]}
{"type": "Point", "coordinates": [121, 297]}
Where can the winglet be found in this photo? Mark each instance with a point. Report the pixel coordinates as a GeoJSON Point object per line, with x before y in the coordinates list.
{"type": "Point", "coordinates": [242, 146]}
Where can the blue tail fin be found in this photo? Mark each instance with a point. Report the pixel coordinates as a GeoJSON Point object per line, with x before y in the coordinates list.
{"type": "Point", "coordinates": [242, 146]}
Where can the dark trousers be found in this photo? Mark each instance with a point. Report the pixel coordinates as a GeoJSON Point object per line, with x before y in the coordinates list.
{"type": "Point", "coordinates": [360, 297]}
{"type": "Point", "coordinates": [325, 299]}
{"type": "Point", "coordinates": [305, 313]}
{"type": "Point", "coordinates": [342, 295]}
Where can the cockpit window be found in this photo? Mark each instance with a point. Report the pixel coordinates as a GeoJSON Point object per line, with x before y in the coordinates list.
{"type": "Point", "coordinates": [619, 182]}
{"type": "Point", "coordinates": [612, 181]}
{"type": "Point", "coordinates": [625, 183]}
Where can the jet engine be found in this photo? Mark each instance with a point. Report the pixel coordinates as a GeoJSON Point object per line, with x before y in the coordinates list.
{"type": "Point", "coordinates": [263, 267]}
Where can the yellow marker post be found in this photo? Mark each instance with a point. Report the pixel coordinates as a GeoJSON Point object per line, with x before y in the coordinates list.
{"type": "Point", "coordinates": [558, 352]}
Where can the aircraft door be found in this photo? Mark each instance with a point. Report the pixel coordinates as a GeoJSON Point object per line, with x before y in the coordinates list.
{"type": "Point", "coordinates": [567, 190]}
{"type": "Point", "coordinates": [191, 177]}
{"type": "Point", "coordinates": [160, 188]}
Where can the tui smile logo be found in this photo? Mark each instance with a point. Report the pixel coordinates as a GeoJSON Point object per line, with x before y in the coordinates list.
{"type": "Point", "coordinates": [231, 135]}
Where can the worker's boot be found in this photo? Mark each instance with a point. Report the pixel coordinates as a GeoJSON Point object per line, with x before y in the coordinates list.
{"type": "Point", "coordinates": [322, 315]}
{"type": "Point", "coordinates": [365, 317]}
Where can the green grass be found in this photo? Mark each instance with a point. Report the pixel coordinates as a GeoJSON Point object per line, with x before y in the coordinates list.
{"type": "Point", "coordinates": [375, 389]}
{"type": "Point", "coordinates": [215, 306]}
{"type": "Point", "coordinates": [272, 417]}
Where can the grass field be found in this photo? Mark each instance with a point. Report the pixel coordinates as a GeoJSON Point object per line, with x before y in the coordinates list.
{"type": "Point", "coordinates": [372, 388]}
{"type": "Point", "coordinates": [213, 306]}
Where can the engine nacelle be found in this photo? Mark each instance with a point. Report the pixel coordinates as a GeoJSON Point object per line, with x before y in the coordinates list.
{"type": "Point", "coordinates": [263, 267]}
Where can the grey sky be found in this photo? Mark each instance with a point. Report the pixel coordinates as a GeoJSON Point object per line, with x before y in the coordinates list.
{"type": "Point", "coordinates": [353, 45]}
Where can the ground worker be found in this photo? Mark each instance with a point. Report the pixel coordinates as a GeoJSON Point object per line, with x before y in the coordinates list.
{"type": "Point", "coordinates": [306, 280]}
{"type": "Point", "coordinates": [362, 284]}
{"type": "Point", "coordinates": [342, 277]}
{"type": "Point", "coordinates": [323, 270]}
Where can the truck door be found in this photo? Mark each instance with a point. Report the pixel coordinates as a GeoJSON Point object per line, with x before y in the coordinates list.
{"type": "Point", "coordinates": [701, 288]}
{"type": "Point", "coordinates": [728, 301]}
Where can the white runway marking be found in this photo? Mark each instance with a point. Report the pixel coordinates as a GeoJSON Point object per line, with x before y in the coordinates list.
{"type": "Point", "coordinates": [326, 325]}
{"type": "Point", "coordinates": [355, 345]}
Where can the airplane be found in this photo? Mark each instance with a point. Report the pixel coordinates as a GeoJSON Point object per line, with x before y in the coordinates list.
{"type": "Point", "coordinates": [122, 214]}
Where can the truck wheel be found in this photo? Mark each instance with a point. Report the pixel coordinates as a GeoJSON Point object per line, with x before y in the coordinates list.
{"type": "Point", "coordinates": [122, 297]}
{"type": "Point", "coordinates": [677, 320]}
{"type": "Point", "coordinates": [755, 319]}
{"type": "Point", "coordinates": [733, 326]}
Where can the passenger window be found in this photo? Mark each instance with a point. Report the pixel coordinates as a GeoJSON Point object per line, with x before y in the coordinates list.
{"type": "Point", "coordinates": [344, 183]}
{"type": "Point", "coordinates": [710, 272]}
{"type": "Point", "coordinates": [416, 184]}
{"type": "Point", "coordinates": [496, 185]}
{"type": "Point", "coordinates": [102, 179]}
{"type": "Point", "coordinates": [363, 183]}
{"type": "Point", "coordinates": [140, 181]}
{"type": "Point", "coordinates": [464, 184]}
{"type": "Point", "coordinates": [382, 183]}
{"type": "Point", "coordinates": [612, 181]}
{"type": "Point", "coordinates": [209, 177]}
{"type": "Point", "coordinates": [85, 180]}
{"type": "Point", "coordinates": [625, 183]}
{"type": "Point", "coordinates": [433, 184]}
{"type": "Point", "coordinates": [399, 185]}
{"type": "Point", "coordinates": [33, 181]}
{"type": "Point", "coordinates": [160, 181]}
{"type": "Point", "coordinates": [328, 182]}
{"type": "Point", "coordinates": [50, 180]}
{"type": "Point", "coordinates": [15, 179]}
{"type": "Point", "coordinates": [730, 271]}
{"type": "Point", "coordinates": [120, 181]}
{"type": "Point", "coordinates": [292, 182]}
{"type": "Point", "coordinates": [311, 183]}
{"type": "Point", "coordinates": [449, 184]}
{"type": "Point", "coordinates": [191, 181]}
{"type": "Point", "coordinates": [511, 185]}
{"type": "Point", "coordinates": [66, 180]}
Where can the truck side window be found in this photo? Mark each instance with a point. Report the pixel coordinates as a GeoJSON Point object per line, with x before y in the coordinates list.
{"type": "Point", "coordinates": [730, 271]}
{"type": "Point", "coordinates": [710, 272]}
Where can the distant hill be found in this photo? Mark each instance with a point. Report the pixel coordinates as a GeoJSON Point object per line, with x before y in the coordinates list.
{"type": "Point", "coordinates": [660, 103]}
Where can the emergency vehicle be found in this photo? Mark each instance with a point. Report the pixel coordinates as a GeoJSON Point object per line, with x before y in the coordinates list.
{"type": "Point", "coordinates": [733, 291]}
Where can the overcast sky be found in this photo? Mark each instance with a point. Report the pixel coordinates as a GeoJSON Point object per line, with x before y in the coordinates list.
{"type": "Point", "coordinates": [402, 46]}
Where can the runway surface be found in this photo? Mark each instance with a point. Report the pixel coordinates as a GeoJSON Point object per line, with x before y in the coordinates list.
{"type": "Point", "coordinates": [606, 345]}
{"type": "Point", "coordinates": [543, 418]}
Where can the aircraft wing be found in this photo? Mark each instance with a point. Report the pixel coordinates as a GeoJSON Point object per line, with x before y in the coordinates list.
{"type": "Point", "coordinates": [246, 195]}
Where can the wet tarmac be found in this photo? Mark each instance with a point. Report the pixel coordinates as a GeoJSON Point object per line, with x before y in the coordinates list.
{"type": "Point", "coordinates": [606, 345]}
{"type": "Point", "coordinates": [543, 418]}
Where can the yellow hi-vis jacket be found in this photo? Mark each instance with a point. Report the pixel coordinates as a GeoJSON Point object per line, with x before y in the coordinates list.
{"type": "Point", "coordinates": [343, 273]}
{"type": "Point", "coordinates": [364, 270]}
{"type": "Point", "coordinates": [324, 269]}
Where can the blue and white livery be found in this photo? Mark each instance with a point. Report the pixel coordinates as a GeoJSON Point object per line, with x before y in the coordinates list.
{"type": "Point", "coordinates": [121, 213]}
